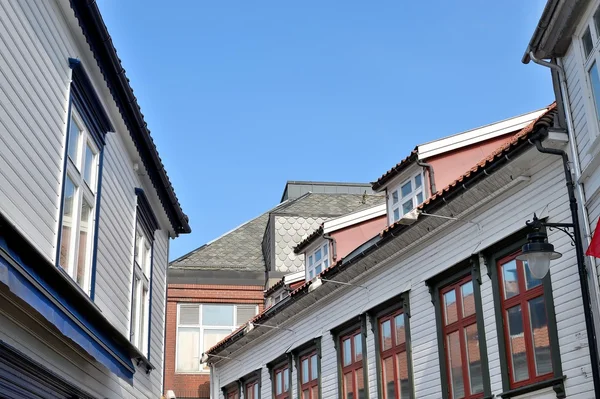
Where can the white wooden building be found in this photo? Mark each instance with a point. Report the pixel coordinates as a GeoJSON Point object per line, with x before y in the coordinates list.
{"type": "Point", "coordinates": [433, 307]}
{"type": "Point", "coordinates": [86, 213]}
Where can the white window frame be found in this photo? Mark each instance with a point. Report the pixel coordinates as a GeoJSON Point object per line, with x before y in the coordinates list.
{"type": "Point", "coordinates": [586, 62]}
{"type": "Point", "coordinates": [139, 328]}
{"type": "Point", "coordinates": [396, 200]}
{"type": "Point", "coordinates": [83, 191]}
{"type": "Point", "coordinates": [314, 267]}
{"type": "Point", "coordinates": [202, 369]}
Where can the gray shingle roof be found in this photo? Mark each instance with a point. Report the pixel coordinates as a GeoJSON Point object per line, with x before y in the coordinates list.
{"type": "Point", "coordinates": [241, 248]}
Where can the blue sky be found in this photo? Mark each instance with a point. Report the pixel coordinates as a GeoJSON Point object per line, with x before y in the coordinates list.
{"type": "Point", "coordinates": [242, 96]}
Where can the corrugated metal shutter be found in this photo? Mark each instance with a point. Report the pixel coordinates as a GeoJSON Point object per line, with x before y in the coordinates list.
{"type": "Point", "coordinates": [189, 314]}
{"type": "Point", "coordinates": [245, 313]}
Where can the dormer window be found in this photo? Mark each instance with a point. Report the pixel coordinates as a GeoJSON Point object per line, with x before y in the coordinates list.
{"type": "Point", "coordinates": [404, 197]}
{"type": "Point", "coordinates": [318, 260]}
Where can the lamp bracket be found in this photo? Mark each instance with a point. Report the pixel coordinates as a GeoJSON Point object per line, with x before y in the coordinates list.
{"type": "Point", "coordinates": [537, 224]}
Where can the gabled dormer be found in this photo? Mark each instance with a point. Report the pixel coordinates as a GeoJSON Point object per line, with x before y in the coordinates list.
{"type": "Point", "coordinates": [437, 163]}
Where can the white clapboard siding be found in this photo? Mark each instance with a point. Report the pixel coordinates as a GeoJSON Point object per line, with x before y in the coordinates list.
{"type": "Point", "coordinates": [419, 263]}
{"type": "Point", "coordinates": [36, 40]}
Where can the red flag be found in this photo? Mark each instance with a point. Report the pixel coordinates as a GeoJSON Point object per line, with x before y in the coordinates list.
{"type": "Point", "coordinates": [594, 248]}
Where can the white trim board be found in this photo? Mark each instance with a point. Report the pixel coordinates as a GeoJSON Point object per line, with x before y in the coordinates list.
{"type": "Point", "coordinates": [477, 135]}
{"type": "Point", "coordinates": [354, 218]}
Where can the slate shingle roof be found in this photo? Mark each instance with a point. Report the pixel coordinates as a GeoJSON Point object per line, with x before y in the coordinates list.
{"type": "Point", "coordinates": [241, 248]}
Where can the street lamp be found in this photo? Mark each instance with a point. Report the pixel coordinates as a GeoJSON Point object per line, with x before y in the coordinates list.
{"type": "Point", "coordinates": [538, 252]}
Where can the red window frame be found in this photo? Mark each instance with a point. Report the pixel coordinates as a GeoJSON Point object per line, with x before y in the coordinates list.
{"type": "Point", "coordinates": [312, 385]}
{"type": "Point", "coordinates": [355, 367]}
{"type": "Point", "coordinates": [281, 370]}
{"type": "Point", "coordinates": [395, 349]}
{"type": "Point", "coordinates": [249, 390]}
{"type": "Point", "coordinates": [460, 325]}
{"type": "Point", "coordinates": [522, 298]}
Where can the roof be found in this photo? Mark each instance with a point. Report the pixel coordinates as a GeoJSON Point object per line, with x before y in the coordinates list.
{"type": "Point", "coordinates": [555, 29]}
{"type": "Point", "coordinates": [101, 45]}
{"type": "Point", "coordinates": [483, 170]}
{"type": "Point", "coordinates": [395, 171]}
{"type": "Point", "coordinates": [297, 188]}
{"type": "Point", "coordinates": [241, 248]}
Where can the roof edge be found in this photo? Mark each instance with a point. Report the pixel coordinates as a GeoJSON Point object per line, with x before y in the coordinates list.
{"type": "Point", "coordinates": [100, 42]}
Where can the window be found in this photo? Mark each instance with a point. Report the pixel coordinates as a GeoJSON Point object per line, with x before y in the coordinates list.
{"type": "Point", "coordinates": [140, 305]}
{"type": "Point", "coordinates": [525, 323]}
{"type": "Point", "coordinates": [353, 377]}
{"type": "Point", "coordinates": [590, 45]}
{"type": "Point", "coordinates": [82, 180]}
{"type": "Point", "coordinates": [405, 197]}
{"type": "Point", "coordinates": [233, 394]}
{"type": "Point", "coordinates": [251, 391]}
{"type": "Point", "coordinates": [309, 376]}
{"type": "Point", "coordinates": [318, 261]}
{"type": "Point", "coordinates": [202, 326]}
{"type": "Point", "coordinates": [394, 366]}
{"type": "Point", "coordinates": [281, 381]}
{"type": "Point", "coordinates": [462, 351]}
{"type": "Point", "coordinates": [79, 202]}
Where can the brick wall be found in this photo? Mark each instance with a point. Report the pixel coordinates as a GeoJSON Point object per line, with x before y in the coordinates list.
{"type": "Point", "coordinates": [197, 385]}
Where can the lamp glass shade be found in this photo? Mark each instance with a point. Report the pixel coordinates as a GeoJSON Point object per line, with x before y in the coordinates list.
{"type": "Point", "coordinates": [538, 262]}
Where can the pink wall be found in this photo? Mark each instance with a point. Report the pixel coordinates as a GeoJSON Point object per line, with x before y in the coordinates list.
{"type": "Point", "coordinates": [449, 166]}
{"type": "Point", "coordinates": [350, 238]}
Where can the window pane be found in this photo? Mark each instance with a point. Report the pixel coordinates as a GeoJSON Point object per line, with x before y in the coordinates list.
{"type": "Point", "coordinates": [256, 391]}
{"type": "Point", "coordinates": [348, 386]}
{"type": "Point", "coordinates": [147, 258]}
{"type": "Point", "coordinates": [347, 352]}
{"type": "Point", "coordinates": [530, 281]}
{"type": "Point", "coordinates": [407, 206]}
{"type": "Point", "coordinates": [597, 21]}
{"type": "Point", "coordinates": [317, 269]}
{"type": "Point", "coordinates": [84, 231]}
{"type": "Point", "coordinates": [455, 362]}
{"type": "Point", "coordinates": [406, 189]}
{"type": "Point", "coordinates": [587, 42]}
{"type": "Point", "coordinates": [134, 307]}
{"type": "Point", "coordinates": [88, 166]}
{"type": "Point", "coordinates": [517, 344]}
{"type": "Point", "coordinates": [74, 135]}
{"type": "Point", "coordinates": [306, 394]}
{"type": "Point", "coordinates": [188, 339]}
{"type": "Point", "coordinates": [396, 214]}
{"type": "Point", "coordinates": [419, 198]}
{"type": "Point", "coordinates": [358, 347]}
{"type": "Point", "coordinates": [244, 313]}
{"type": "Point", "coordinates": [138, 244]}
{"type": "Point", "coordinates": [468, 299]}
{"type": "Point", "coordinates": [305, 371]}
{"type": "Point", "coordinates": [310, 260]}
{"type": "Point", "coordinates": [474, 359]}
{"type": "Point", "coordinates": [314, 391]}
{"type": "Point", "coordinates": [418, 181]}
{"type": "Point", "coordinates": [189, 314]}
{"type": "Point", "coordinates": [386, 335]}
{"type": "Point", "coordinates": [325, 249]}
{"type": "Point", "coordinates": [314, 369]}
{"type": "Point", "coordinates": [286, 380]}
{"type": "Point", "coordinates": [510, 279]}
{"type": "Point", "coordinates": [395, 197]}
{"type": "Point", "coordinates": [213, 337]}
{"type": "Point", "coordinates": [318, 255]}
{"type": "Point", "coordinates": [217, 315]}
{"type": "Point", "coordinates": [541, 340]}
{"type": "Point", "coordinates": [311, 274]}
{"type": "Point", "coordinates": [67, 224]}
{"type": "Point", "coordinates": [399, 326]}
{"type": "Point", "coordinates": [402, 377]}
{"type": "Point", "coordinates": [360, 383]}
{"type": "Point", "coordinates": [389, 378]}
{"type": "Point", "coordinates": [595, 83]}
{"type": "Point", "coordinates": [142, 329]}
{"type": "Point", "coordinates": [450, 307]}
{"type": "Point", "coordinates": [278, 383]}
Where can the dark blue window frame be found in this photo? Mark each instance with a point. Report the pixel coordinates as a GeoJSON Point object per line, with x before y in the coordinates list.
{"type": "Point", "coordinates": [145, 217]}
{"type": "Point", "coordinates": [84, 98]}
